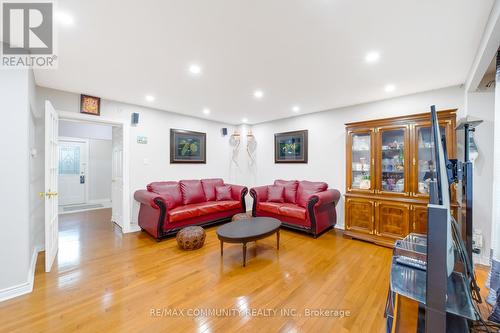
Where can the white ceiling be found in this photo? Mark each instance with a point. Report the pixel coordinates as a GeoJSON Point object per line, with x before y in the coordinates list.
{"type": "Point", "coordinates": [298, 52]}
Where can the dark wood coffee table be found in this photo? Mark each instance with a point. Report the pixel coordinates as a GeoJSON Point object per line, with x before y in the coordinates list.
{"type": "Point", "coordinates": [250, 230]}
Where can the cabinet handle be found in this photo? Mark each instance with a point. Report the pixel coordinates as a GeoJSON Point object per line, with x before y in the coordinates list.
{"type": "Point", "coordinates": [373, 161]}
{"type": "Point", "coordinates": [414, 161]}
{"type": "Point", "coordinates": [414, 226]}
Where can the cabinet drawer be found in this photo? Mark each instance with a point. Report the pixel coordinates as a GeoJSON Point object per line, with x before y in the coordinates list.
{"type": "Point", "coordinates": [392, 219]}
{"type": "Point", "coordinates": [360, 215]}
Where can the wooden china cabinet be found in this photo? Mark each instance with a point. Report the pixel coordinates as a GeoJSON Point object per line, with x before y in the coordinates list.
{"type": "Point", "coordinates": [389, 165]}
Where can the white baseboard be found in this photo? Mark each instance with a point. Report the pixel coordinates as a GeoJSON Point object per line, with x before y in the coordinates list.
{"type": "Point", "coordinates": [99, 201]}
{"type": "Point", "coordinates": [133, 228]}
{"type": "Point", "coordinates": [482, 260]}
{"type": "Point", "coordinates": [23, 288]}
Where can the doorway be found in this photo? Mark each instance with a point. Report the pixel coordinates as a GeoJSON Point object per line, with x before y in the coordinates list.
{"type": "Point", "coordinates": [118, 185]}
{"type": "Point", "coordinates": [73, 169]}
{"type": "Point", "coordinates": [85, 166]}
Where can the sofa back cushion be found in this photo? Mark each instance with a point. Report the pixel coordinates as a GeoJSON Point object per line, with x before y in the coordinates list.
{"type": "Point", "coordinates": [170, 190]}
{"type": "Point", "coordinates": [192, 192]}
{"type": "Point", "coordinates": [290, 189]}
{"type": "Point", "coordinates": [223, 193]}
{"type": "Point", "coordinates": [209, 187]}
{"type": "Point", "coordinates": [305, 189]}
{"type": "Point", "coordinates": [275, 193]}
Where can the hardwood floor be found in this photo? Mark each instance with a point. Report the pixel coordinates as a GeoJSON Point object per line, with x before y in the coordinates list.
{"type": "Point", "coordinates": [104, 281]}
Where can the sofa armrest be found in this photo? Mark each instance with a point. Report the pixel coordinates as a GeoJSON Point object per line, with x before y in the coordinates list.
{"type": "Point", "coordinates": [321, 210]}
{"type": "Point", "coordinates": [238, 193]}
{"type": "Point", "coordinates": [148, 198]}
{"type": "Point", "coordinates": [259, 193]}
{"type": "Point", "coordinates": [323, 198]}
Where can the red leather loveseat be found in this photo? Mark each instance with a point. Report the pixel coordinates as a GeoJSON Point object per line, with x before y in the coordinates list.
{"type": "Point", "coordinates": [302, 205]}
{"type": "Point", "coordinates": [169, 206]}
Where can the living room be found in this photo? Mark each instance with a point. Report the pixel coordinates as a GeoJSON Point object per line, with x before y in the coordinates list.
{"type": "Point", "coordinates": [265, 161]}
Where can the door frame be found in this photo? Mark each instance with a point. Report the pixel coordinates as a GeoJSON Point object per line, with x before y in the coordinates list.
{"type": "Point", "coordinates": [126, 204]}
{"type": "Point", "coordinates": [87, 171]}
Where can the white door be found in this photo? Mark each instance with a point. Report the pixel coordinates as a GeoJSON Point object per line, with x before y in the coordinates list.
{"type": "Point", "coordinates": [117, 177]}
{"type": "Point", "coordinates": [73, 162]}
{"type": "Point", "coordinates": [51, 175]}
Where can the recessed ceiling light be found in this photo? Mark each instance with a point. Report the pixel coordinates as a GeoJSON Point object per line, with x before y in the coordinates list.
{"type": "Point", "coordinates": [390, 88]}
{"type": "Point", "coordinates": [64, 18]}
{"type": "Point", "coordinates": [244, 120]}
{"type": "Point", "coordinates": [258, 94]}
{"type": "Point", "coordinates": [150, 98]}
{"type": "Point", "coordinates": [206, 111]}
{"type": "Point", "coordinates": [372, 57]}
{"type": "Point", "coordinates": [296, 108]}
{"type": "Point", "coordinates": [195, 69]}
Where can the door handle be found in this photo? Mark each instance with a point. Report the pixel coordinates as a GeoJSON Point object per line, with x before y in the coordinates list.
{"type": "Point", "coordinates": [49, 194]}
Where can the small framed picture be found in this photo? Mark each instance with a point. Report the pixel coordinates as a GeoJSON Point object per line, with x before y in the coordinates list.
{"type": "Point", "coordinates": [290, 147]}
{"type": "Point", "coordinates": [187, 146]}
{"type": "Point", "coordinates": [90, 105]}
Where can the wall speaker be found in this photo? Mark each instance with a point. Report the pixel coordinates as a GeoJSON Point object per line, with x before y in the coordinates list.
{"type": "Point", "coordinates": [224, 131]}
{"type": "Point", "coordinates": [135, 118]}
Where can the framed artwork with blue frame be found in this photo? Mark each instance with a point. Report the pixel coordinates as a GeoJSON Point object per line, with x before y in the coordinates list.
{"type": "Point", "coordinates": [187, 146]}
{"type": "Point", "coordinates": [290, 147]}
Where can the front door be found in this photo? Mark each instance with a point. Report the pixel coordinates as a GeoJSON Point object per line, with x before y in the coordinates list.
{"type": "Point", "coordinates": [72, 171]}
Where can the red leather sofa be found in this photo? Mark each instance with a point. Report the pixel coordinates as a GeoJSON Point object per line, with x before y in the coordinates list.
{"type": "Point", "coordinates": [169, 206]}
{"type": "Point", "coordinates": [301, 205]}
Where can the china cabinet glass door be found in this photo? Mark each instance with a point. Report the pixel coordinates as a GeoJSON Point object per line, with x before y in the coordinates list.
{"type": "Point", "coordinates": [423, 164]}
{"type": "Point", "coordinates": [393, 146]}
{"type": "Point", "coordinates": [361, 161]}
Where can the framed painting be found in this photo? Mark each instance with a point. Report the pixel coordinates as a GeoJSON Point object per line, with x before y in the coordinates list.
{"type": "Point", "coordinates": [187, 146]}
{"type": "Point", "coordinates": [90, 105]}
{"type": "Point", "coordinates": [290, 147]}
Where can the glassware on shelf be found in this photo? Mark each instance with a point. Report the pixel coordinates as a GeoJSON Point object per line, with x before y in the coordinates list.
{"type": "Point", "coordinates": [393, 163]}
{"type": "Point", "coordinates": [425, 165]}
{"type": "Point", "coordinates": [361, 156]}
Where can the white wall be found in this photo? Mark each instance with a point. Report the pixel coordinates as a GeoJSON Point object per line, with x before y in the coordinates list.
{"type": "Point", "coordinates": [151, 162]}
{"type": "Point", "coordinates": [481, 105]}
{"type": "Point", "coordinates": [99, 180]}
{"type": "Point", "coordinates": [99, 169]}
{"type": "Point", "coordinates": [327, 137]}
{"type": "Point", "coordinates": [15, 244]}
{"type": "Point", "coordinates": [84, 130]}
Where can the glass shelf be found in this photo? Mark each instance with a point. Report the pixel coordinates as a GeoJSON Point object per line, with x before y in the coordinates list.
{"type": "Point", "coordinates": [425, 164]}
{"type": "Point", "coordinates": [361, 161]}
{"type": "Point", "coordinates": [393, 162]}
{"type": "Point", "coordinates": [411, 282]}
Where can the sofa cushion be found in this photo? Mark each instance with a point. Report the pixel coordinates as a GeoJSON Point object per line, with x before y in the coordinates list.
{"type": "Point", "coordinates": [270, 207]}
{"type": "Point", "coordinates": [201, 209]}
{"type": "Point", "coordinates": [229, 205]}
{"type": "Point", "coordinates": [275, 193]}
{"type": "Point", "coordinates": [192, 191]}
{"type": "Point", "coordinates": [223, 193]}
{"type": "Point", "coordinates": [290, 189]}
{"type": "Point", "coordinates": [170, 190]}
{"type": "Point", "coordinates": [305, 189]}
{"type": "Point", "coordinates": [293, 211]}
{"type": "Point", "coordinates": [209, 187]}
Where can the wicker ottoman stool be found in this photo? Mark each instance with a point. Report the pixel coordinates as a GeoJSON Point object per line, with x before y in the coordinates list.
{"type": "Point", "coordinates": [241, 216]}
{"type": "Point", "coordinates": [191, 238]}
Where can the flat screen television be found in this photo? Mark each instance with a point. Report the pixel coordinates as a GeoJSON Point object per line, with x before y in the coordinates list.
{"type": "Point", "coordinates": [439, 186]}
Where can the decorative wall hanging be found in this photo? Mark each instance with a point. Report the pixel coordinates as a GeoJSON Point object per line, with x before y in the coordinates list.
{"type": "Point", "coordinates": [290, 147]}
{"type": "Point", "coordinates": [234, 141]}
{"type": "Point", "coordinates": [90, 105]}
{"type": "Point", "coordinates": [187, 146]}
{"type": "Point", "coordinates": [251, 146]}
